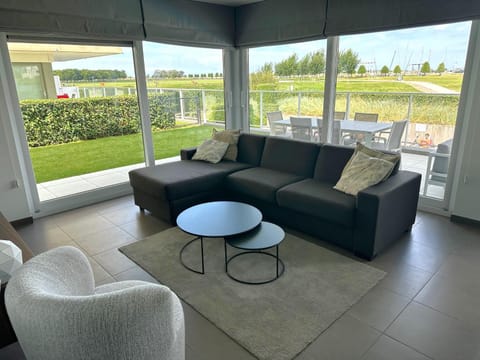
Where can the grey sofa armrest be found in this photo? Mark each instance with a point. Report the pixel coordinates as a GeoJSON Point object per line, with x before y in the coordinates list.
{"type": "Point", "coordinates": [187, 154]}
{"type": "Point", "coordinates": [384, 212]}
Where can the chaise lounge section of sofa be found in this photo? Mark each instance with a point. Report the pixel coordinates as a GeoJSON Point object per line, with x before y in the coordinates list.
{"type": "Point", "coordinates": [291, 182]}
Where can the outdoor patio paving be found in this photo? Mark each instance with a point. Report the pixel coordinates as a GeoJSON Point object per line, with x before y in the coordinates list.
{"type": "Point", "coordinates": [51, 190]}
{"type": "Point", "coordinates": [72, 185]}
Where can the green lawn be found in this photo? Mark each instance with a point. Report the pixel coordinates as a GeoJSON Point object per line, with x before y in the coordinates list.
{"type": "Point", "coordinates": [370, 84]}
{"type": "Point", "coordinates": [83, 157]}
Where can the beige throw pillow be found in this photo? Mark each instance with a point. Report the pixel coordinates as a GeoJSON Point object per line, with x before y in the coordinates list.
{"type": "Point", "coordinates": [211, 151]}
{"type": "Point", "coordinates": [393, 158]}
{"type": "Point", "coordinates": [361, 172]}
{"type": "Point", "coordinates": [231, 138]}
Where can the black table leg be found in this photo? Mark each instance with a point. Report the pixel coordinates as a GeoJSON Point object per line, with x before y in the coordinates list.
{"type": "Point", "coordinates": [225, 249]}
{"type": "Point", "coordinates": [277, 259]}
{"type": "Point", "coordinates": [203, 260]}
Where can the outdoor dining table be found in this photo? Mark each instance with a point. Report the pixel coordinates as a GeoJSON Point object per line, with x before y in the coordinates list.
{"type": "Point", "coordinates": [367, 128]}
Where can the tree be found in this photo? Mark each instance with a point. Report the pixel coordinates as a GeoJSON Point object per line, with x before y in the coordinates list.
{"type": "Point", "coordinates": [362, 70]}
{"type": "Point", "coordinates": [303, 66]}
{"type": "Point", "coordinates": [441, 68]}
{"type": "Point", "coordinates": [397, 70]}
{"type": "Point", "coordinates": [317, 63]}
{"type": "Point", "coordinates": [425, 68]}
{"type": "Point", "coordinates": [91, 75]}
{"type": "Point", "coordinates": [384, 70]}
{"type": "Point", "coordinates": [287, 67]}
{"type": "Point", "coordinates": [348, 61]}
{"type": "Point", "coordinates": [263, 76]}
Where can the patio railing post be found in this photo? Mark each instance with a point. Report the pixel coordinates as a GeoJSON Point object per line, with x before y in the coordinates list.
{"type": "Point", "coordinates": [182, 110]}
{"type": "Point", "coordinates": [104, 92]}
{"type": "Point", "coordinates": [199, 112]}
{"type": "Point", "coordinates": [409, 117]}
{"type": "Point", "coordinates": [347, 106]}
{"type": "Point", "coordinates": [409, 111]}
{"type": "Point", "coordinates": [299, 107]}
{"type": "Point", "coordinates": [261, 109]}
{"type": "Point", "coordinates": [204, 107]}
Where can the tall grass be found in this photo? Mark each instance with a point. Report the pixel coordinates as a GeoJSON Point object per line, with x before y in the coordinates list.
{"type": "Point", "coordinates": [426, 109]}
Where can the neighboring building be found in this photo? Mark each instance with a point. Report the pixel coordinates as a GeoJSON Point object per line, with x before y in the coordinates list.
{"type": "Point", "coordinates": [32, 66]}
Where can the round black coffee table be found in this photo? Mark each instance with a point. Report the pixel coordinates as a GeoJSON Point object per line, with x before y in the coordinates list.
{"type": "Point", "coordinates": [216, 219]}
{"type": "Point", "coordinates": [263, 237]}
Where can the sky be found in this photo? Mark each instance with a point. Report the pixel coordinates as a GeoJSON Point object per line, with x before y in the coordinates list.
{"type": "Point", "coordinates": [439, 43]}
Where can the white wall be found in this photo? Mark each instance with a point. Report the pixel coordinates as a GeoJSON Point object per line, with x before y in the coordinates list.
{"type": "Point", "coordinates": [13, 199]}
{"type": "Point", "coordinates": [466, 185]}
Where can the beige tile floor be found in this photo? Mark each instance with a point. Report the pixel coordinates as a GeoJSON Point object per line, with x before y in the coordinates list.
{"type": "Point", "coordinates": [427, 307]}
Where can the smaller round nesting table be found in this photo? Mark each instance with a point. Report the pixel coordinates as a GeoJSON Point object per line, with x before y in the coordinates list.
{"type": "Point", "coordinates": [265, 236]}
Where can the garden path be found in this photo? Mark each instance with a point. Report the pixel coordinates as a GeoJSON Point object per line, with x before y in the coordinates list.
{"type": "Point", "coordinates": [428, 87]}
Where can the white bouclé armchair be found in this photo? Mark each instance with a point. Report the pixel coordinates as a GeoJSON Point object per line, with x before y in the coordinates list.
{"type": "Point", "coordinates": [58, 313]}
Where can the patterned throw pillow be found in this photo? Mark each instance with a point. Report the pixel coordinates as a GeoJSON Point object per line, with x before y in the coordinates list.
{"type": "Point", "coordinates": [361, 172]}
{"type": "Point", "coordinates": [231, 138]}
{"type": "Point", "coordinates": [211, 151]}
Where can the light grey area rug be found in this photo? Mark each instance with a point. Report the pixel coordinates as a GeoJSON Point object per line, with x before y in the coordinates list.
{"type": "Point", "coordinates": [272, 321]}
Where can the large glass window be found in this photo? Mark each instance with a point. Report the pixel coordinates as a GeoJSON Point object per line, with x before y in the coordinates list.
{"type": "Point", "coordinates": [286, 81]}
{"type": "Point", "coordinates": [80, 113]}
{"type": "Point", "coordinates": [414, 75]}
{"type": "Point", "coordinates": [185, 92]}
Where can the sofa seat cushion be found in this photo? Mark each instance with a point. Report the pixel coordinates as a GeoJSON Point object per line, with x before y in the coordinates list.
{"type": "Point", "coordinates": [179, 179]}
{"type": "Point", "coordinates": [260, 183]}
{"type": "Point", "coordinates": [319, 199]}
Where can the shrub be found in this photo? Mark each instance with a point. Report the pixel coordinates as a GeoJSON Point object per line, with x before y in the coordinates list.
{"type": "Point", "coordinates": [58, 121]}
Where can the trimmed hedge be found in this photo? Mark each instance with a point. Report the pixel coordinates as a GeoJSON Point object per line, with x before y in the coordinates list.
{"type": "Point", "coordinates": [59, 121]}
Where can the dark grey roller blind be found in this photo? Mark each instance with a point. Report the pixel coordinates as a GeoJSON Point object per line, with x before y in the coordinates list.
{"type": "Point", "coordinates": [362, 16]}
{"type": "Point", "coordinates": [117, 19]}
{"type": "Point", "coordinates": [188, 22]}
{"type": "Point", "coordinates": [272, 22]}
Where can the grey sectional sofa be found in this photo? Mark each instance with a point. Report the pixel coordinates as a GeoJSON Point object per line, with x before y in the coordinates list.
{"type": "Point", "coordinates": [291, 182]}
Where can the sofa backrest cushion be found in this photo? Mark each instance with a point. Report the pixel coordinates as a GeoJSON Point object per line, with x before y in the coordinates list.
{"type": "Point", "coordinates": [295, 157]}
{"type": "Point", "coordinates": [250, 148]}
{"type": "Point", "coordinates": [331, 161]}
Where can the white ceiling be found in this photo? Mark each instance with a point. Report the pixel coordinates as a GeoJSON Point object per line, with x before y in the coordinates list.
{"type": "Point", "coordinates": [230, 2]}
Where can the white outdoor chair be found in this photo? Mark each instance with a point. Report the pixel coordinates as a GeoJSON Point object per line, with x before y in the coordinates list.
{"type": "Point", "coordinates": [301, 128]}
{"type": "Point", "coordinates": [365, 117]}
{"type": "Point", "coordinates": [394, 141]}
{"type": "Point", "coordinates": [437, 165]}
{"type": "Point", "coordinates": [339, 115]}
{"type": "Point", "coordinates": [58, 313]}
{"type": "Point", "coordinates": [276, 129]}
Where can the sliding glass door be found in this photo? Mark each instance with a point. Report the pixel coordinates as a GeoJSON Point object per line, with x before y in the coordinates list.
{"type": "Point", "coordinates": [413, 75]}
{"type": "Point", "coordinates": [80, 113]}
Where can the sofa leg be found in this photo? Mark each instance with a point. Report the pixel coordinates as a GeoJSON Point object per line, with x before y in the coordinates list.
{"type": "Point", "coordinates": [362, 256]}
{"type": "Point", "coordinates": [141, 209]}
